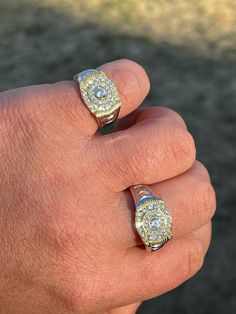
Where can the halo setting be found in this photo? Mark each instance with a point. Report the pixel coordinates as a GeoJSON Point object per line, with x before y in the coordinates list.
{"type": "Point", "coordinates": [153, 222]}
{"type": "Point", "coordinates": [98, 92]}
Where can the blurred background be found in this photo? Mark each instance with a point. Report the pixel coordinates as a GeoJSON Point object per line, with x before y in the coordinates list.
{"type": "Point", "coordinates": [188, 48]}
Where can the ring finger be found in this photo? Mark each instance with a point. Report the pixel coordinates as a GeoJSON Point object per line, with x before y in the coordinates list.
{"type": "Point", "coordinates": [189, 197]}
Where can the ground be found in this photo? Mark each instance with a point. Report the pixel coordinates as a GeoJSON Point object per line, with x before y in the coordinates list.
{"type": "Point", "coordinates": [188, 48]}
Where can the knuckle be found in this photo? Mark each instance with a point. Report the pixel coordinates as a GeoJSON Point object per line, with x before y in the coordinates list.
{"type": "Point", "coordinates": [202, 170]}
{"type": "Point", "coordinates": [195, 257]}
{"type": "Point", "coordinates": [172, 115]}
{"type": "Point", "coordinates": [22, 109]}
{"type": "Point", "coordinates": [205, 199]}
{"type": "Point", "coordinates": [183, 147]}
{"type": "Point", "coordinates": [128, 85]}
{"type": "Point", "coordinates": [54, 93]}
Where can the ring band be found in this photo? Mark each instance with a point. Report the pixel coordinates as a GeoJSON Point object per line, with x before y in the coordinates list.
{"type": "Point", "coordinates": [153, 221]}
{"type": "Point", "coordinates": [100, 95]}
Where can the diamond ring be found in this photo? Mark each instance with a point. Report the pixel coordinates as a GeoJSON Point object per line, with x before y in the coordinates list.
{"type": "Point", "coordinates": [100, 95]}
{"type": "Point", "coordinates": [153, 221]}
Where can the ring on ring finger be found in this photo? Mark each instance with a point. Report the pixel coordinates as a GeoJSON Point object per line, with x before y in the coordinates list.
{"type": "Point", "coordinates": [153, 221]}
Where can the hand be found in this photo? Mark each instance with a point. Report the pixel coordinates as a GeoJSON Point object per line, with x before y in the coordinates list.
{"type": "Point", "coordinates": [67, 242]}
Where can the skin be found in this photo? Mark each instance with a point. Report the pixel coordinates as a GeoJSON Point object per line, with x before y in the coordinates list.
{"type": "Point", "coordinates": [67, 240]}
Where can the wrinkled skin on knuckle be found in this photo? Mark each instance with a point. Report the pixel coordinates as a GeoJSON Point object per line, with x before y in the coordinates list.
{"type": "Point", "coordinates": [182, 147]}
{"type": "Point", "coordinates": [210, 200]}
{"type": "Point", "coordinates": [35, 111]}
{"type": "Point", "coordinates": [204, 200]}
{"type": "Point", "coordinates": [195, 258]}
{"type": "Point", "coordinates": [128, 85]}
{"type": "Point", "coordinates": [23, 111]}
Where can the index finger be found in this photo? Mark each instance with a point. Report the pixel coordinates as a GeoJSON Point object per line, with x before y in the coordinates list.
{"type": "Point", "coordinates": [62, 103]}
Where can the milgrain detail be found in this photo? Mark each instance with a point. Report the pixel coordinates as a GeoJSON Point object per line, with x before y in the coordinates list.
{"type": "Point", "coordinates": [99, 94]}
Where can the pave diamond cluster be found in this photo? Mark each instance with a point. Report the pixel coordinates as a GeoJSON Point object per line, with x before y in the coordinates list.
{"type": "Point", "coordinates": [153, 222]}
{"type": "Point", "coordinates": [98, 92]}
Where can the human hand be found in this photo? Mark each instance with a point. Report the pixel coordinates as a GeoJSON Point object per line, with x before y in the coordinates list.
{"type": "Point", "coordinates": [67, 241]}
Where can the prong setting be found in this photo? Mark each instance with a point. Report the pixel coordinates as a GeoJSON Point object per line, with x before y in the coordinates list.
{"type": "Point", "coordinates": [98, 92]}
{"type": "Point", "coordinates": [153, 222]}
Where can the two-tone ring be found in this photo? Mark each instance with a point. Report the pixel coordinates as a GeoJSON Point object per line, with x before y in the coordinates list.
{"type": "Point", "coordinates": [153, 221]}
{"type": "Point", "coordinates": [100, 95]}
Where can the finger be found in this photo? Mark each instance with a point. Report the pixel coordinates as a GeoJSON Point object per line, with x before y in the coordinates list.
{"type": "Point", "coordinates": [189, 197]}
{"type": "Point", "coordinates": [131, 81]}
{"type": "Point", "coordinates": [132, 84]}
{"type": "Point", "coordinates": [201, 170]}
{"type": "Point", "coordinates": [156, 148]}
{"type": "Point", "coordinates": [144, 275]}
{"type": "Point", "coordinates": [147, 113]}
{"type": "Point", "coordinates": [62, 102]}
{"type": "Point", "coordinates": [152, 274]}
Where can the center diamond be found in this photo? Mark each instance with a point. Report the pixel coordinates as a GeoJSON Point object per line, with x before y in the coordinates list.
{"type": "Point", "coordinates": [155, 223]}
{"type": "Point", "coordinates": [100, 92]}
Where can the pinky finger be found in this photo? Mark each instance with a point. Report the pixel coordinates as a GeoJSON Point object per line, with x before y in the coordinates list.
{"type": "Point", "coordinates": [158, 272]}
